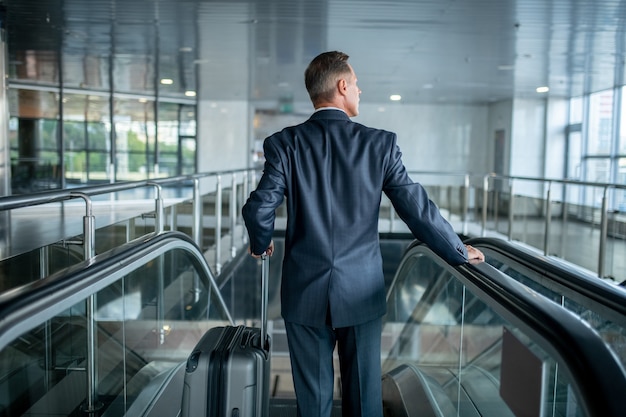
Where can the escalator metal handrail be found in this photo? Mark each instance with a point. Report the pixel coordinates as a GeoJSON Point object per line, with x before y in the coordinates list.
{"type": "Point", "coordinates": [25, 307]}
{"type": "Point", "coordinates": [571, 282]}
{"type": "Point", "coordinates": [596, 374]}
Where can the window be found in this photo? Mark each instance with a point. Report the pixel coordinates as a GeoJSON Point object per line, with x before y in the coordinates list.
{"type": "Point", "coordinates": [599, 133]}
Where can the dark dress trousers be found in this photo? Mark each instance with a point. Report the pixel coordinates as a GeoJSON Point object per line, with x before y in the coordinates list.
{"type": "Point", "coordinates": [332, 172]}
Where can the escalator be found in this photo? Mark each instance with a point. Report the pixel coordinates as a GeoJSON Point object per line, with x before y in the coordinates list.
{"type": "Point", "coordinates": [454, 339]}
{"type": "Point", "coordinates": [600, 303]}
{"type": "Point", "coordinates": [471, 341]}
{"type": "Point", "coordinates": [148, 302]}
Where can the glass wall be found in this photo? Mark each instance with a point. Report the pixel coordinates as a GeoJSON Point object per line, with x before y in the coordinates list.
{"type": "Point", "coordinates": [83, 149]}
{"type": "Point", "coordinates": [596, 149]}
{"type": "Point", "coordinates": [34, 140]}
{"type": "Point", "coordinates": [86, 138]}
{"type": "Point", "coordinates": [107, 99]}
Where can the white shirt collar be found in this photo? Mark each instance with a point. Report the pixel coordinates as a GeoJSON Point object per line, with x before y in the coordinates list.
{"type": "Point", "coordinates": [329, 108]}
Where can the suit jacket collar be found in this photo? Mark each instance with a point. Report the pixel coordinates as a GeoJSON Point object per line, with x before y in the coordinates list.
{"type": "Point", "coordinates": [330, 114]}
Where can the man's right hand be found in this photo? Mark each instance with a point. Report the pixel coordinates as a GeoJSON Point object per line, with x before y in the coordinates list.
{"type": "Point", "coordinates": [269, 251]}
{"type": "Point", "coordinates": [474, 256]}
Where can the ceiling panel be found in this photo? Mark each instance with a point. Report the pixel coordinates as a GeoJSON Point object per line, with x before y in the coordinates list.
{"type": "Point", "coordinates": [433, 51]}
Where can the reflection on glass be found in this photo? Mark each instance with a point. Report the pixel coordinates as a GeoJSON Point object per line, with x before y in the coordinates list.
{"type": "Point", "coordinates": [576, 110]}
{"type": "Point", "coordinates": [620, 195]}
{"type": "Point", "coordinates": [613, 333]}
{"type": "Point", "coordinates": [38, 66]}
{"type": "Point", "coordinates": [135, 138]}
{"type": "Point", "coordinates": [600, 123]}
{"type": "Point", "coordinates": [86, 133]}
{"type": "Point", "coordinates": [168, 148]}
{"type": "Point", "coordinates": [453, 343]}
{"type": "Point", "coordinates": [147, 323]}
{"type": "Point", "coordinates": [35, 159]}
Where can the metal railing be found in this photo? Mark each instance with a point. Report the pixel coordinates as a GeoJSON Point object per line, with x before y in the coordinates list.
{"type": "Point", "coordinates": [239, 178]}
{"type": "Point", "coordinates": [475, 199]}
{"type": "Point", "coordinates": [482, 199]}
{"type": "Point", "coordinates": [494, 203]}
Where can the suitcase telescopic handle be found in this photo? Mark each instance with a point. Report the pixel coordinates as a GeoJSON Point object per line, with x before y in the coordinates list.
{"type": "Point", "coordinates": [265, 269]}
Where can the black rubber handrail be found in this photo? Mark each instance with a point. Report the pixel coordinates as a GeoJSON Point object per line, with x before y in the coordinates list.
{"type": "Point", "coordinates": [567, 280]}
{"type": "Point", "coordinates": [596, 374]}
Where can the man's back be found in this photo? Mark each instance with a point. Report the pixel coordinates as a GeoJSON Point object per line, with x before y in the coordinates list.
{"type": "Point", "coordinates": [333, 171]}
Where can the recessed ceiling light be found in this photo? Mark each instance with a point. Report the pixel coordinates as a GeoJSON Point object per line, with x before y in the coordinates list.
{"type": "Point", "coordinates": [543, 89]}
{"type": "Point", "coordinates": [395, 97]}
{"type": "Point", "coordinates": [167, 81]}
{"type": "Point", "coordinates": [190, 93]}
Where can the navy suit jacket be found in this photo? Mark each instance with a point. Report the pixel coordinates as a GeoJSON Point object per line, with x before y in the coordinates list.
{"type": "Point", "coordinates": [332, 172]}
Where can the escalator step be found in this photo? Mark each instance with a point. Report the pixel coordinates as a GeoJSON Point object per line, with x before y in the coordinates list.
{"type": "Point", "coordinates": [286, 407]}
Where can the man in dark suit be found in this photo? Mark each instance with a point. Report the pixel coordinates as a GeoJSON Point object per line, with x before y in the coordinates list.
{"type": "Point", "coordinates": [333, 172]}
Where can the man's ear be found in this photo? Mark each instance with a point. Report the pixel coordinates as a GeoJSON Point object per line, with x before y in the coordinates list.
{"type": "Point", "coordinates": [342, 85]}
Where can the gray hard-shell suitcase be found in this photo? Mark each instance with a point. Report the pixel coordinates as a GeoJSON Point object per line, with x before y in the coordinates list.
{"type": "Point", "coordinates": [227, 373]}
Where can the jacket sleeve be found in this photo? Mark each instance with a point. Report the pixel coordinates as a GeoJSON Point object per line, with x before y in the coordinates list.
{"type": "Point", "coordinates": [259, 212]}
{"type": "Point", "coordinates": [421, 215]}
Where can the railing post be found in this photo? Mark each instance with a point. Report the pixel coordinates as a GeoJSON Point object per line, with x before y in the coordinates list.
{"type": "Point", "coordinates": [546, 237]}
{"type": "Point", "coordinates": [130, 229]}
{"type": "Point", "coordinates": [159, 211]}
{"type": "Point", "coordinates": [89, 231]}
{"type": "Point", "coordinates": [160, 307]}
{"type": "Point", "coordinates": [44, 271]}
{"type": "Point", "coordinates": [496, 204]}
{"type": "Point", "coordinates": [465, 202]}
{"type": "Point", "coordinates": [196, 228]}
{"type": "Point", "coordinates": [485, 204]}
{"type": "Point", "coordinates": [89, 226]}
{"type": "Point", "coordinates": [449, 197]}
{"type": "Point", "coordinates": [604, 226]}
{"type": "Point", "coordinates": [173, 217]}
{"type": "Point", "coordinates": [511, 210]}
{"type": "Point", "coordinates": [218, 224]}
{"type": "Point", "coordinates": [244, 197]}
{"type": "Point", "coordinates": [233, 215]}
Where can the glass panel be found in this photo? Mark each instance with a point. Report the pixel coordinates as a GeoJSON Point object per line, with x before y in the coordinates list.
{"type": "Point", "coordinates": [597, 169]}
{"type": "Point", "coordinates": [39, 66]}
{"type": "Point", "coordinates": [621, 179]}
{"type": "Point", "coordinates": [622, 134]}
{"type": "Point", "coordinates": [34, 141]}
{"type": "Point", "coordinates": [86, 137]}
{"type": "Point", "coordinates": [85, 69]}
{"type": "Point", "coordinates": [168, 139]}
{"type": "Point", "coordinates": [188, 120]}
{"type": "Point", "coordinates": [600, 123]}
{"type": "Point", "coordinates": [147, 323]}
{"type": "Point", "coordinates": [576, 110]}
{"type": "Point", "coordinates": [27, 267]}
{"type": "Point", "coordinates": [134, 62]}
{"type": "Point", "coordinates": [187, 130]}
{"type": "Point", "coordinates": [574, 156]}
{"type": "Point", "coordinates": [134, 131]}
{"type": "Point", "coordinates": [458, 346]}
{"type": "Point", "coordinates": [613, 333]}
{"type": "Point", "coordinates": [188, 148]}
